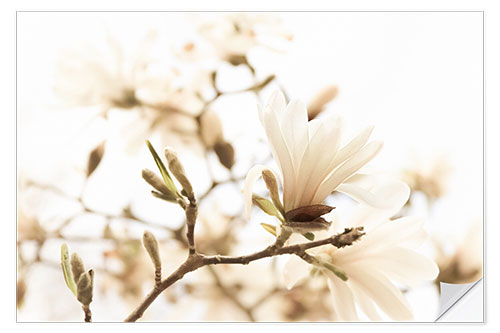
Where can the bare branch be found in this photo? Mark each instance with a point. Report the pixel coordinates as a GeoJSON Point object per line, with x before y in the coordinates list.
{"type": "Point", "coordinates": [195, 261]}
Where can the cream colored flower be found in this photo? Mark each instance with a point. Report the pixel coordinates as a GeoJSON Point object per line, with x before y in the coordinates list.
{"type": "Point", "coordinates": [384, 256]}
{"type": "Point", "coordinates": [235, 34]}
{"type": "Point", "coordinates": [465, 263]}
{"type": "Point", "coordinates": [110, 74]}
{"type": "Point", "coordinates": [311, 160]}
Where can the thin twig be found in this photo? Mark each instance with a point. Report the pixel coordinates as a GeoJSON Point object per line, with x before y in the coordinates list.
{"type": "Point", "coordinates": [195, 261]}
{"type": "Point", "coordinates": [88, 313]}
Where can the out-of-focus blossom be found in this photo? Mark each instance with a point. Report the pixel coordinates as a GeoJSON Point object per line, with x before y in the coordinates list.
{"type": "Point", "coordinates": [384, 256]}
{"type": "Point", "coordinates": [430, 176]}
{"type": "Point", "coordinates": [320, 100]}
{"type": "Point", "coordinates": [110, 77]}
{"type": "Point", "coordinates": [465, 264]}
{"type": "Point", "coordinates": [310, 157]}
{"type": "Point", "coordinates": [233, 35]}
{"type": "Point", "coordinates": [29, 228]}
{"type": "Point", "coordinates": [211, 128]}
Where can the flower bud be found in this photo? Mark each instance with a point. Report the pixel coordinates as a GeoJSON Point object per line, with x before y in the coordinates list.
{"type": "Point", "coordinates": [210, 128]}
{"type": "Point", "coordinates": [272, 186]}
{"type": "Point", "coordinates": [151, 245]}
{"type": "Point", "coordinates": [177, 169]}
{"type": "Point", "coordinates": [85, 287]}
{"type": "Point", "coordinates": [323, 97]}
{"type": "Point", "coordinates": [152, 179]}
{"type": "Point", "coordinates": [225, 153]}
{"type": "Point", "coordinates": [167, 180]}
{"type": "Point", "coordinates": [77, 267]}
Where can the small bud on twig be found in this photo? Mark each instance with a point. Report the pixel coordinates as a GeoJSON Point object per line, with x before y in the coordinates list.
{"type": "Point", "coordinates": [167, 180]}
{"type": "Point", "coordinates": [177, 169]}
{"type": "Point", "coordinates": [152, 179]}
{"type": "Point", "coordinates": [85, 287]}
{"type": "Point", "coordinates": [272, 186]}
{"type": "Point", "coordinates": [151, 246]}
{"type": "Point", "coordinates": [77, 267]}
{"type": "Point", "coordinates": [80, 283]}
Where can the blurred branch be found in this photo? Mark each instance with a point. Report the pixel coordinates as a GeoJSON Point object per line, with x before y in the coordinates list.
{"type": "Point", "coordinates": [229, 295]}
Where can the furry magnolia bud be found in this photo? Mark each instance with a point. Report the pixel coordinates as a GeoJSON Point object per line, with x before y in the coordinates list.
{"type": "Point", "coordinates": [272, 186]}
{"type": "Point", "coordinates": [178, 171]}
{"type": "Point", "coordinates": [151, 246]}
{"type": "Point", "coordinates": [77, 267]}
{"type": "Point", "coordinates": [152, 179]}
{"type": "Point", "coordinates": [85, 287]}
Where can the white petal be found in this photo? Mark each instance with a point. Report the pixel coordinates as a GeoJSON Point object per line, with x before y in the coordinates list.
{"type": "Point", "coordinates": [295, 132]}
{"type": "Point", "coordinates": [365, 303]}
{"type": "Point", "coordinates": [316, 161]}
{"type": "Point", "coordinates": [385, 195]}
{"type": "Point", "coordinates": [352, 147]}
{"type": "Point", "coordinates": [361, 195]}
{"type": "Point", "coordinates": [276, 103]}
{"type": "Point", "coordinates": [280, 153]}
{"type": "Point", "coordinates": [347, 169]}
{"type": "Point", "coordinates": [404, 265]}
{"type": "Point", "coordinates": [295, 270]}
{"type": "Point", "coordinates": [383, 237]}
{"type": "Point", "coordinates": [313, 125]}
{"type": "Point", "coordinates": [250, 180]}
{"type": "Point", "coordinates": [343, 300]}
{"type": "Point", "coordinates": [382, 291]}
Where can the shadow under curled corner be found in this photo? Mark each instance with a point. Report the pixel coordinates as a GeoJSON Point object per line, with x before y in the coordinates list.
{"type": "Point", "coordinates": [461, 302]}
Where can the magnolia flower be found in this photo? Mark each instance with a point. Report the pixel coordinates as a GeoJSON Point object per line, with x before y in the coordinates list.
{"type": "Point", "coordinates": [465, 263]}
{"type": "Point", "coordinates": [429, 175]}
{"type": "Point", "coordinates": [311, 160]}
{"type": "Point", "coordinates": [362, 276]}
{"type": "Point", "coordinates": [112, 75]}
{"type": "Point", "coordinates": [235, 34]}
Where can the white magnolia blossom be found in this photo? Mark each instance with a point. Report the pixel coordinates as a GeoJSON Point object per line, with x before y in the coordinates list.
{"type": "Point", "coordinates": [235, 34]}
{"type": "Point", "coordinates": [110, 74]}
{"type": "Point", "coordinates": [311, 160]}
{"type": "Point", "coordinates": [384, 256]}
